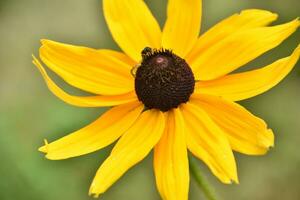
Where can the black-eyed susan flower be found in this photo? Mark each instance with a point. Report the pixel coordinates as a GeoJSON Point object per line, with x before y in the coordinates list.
{"type": "Point", "coordinates": [170, 90]}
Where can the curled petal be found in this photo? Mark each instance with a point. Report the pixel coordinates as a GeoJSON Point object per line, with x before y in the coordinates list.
{"type": "Point", "coordinates": [132, 25]}
{"type": "Point", "coordinates": [170, 159]}
{"type": "Point", "coordinates": [133, 146]}
{"type": "Point", "coordinates": [182, 26]}
{"type": "Point", "coordinates": [208, 142]}
{"type": "Point", "coordinates": [245, 20]}
{"type": "Point", "coordinates": [239, 49]}
{"type": "Point", "coordinates": [99, 134]}
{"type": "Point", "coordinates": [84, 101]}
{"type": "Point", "coordinates": [246, 133]}
{"type": "Point", "coordinates": [97, 71]}
{"type": "Point", "coordinates": [240, 86]}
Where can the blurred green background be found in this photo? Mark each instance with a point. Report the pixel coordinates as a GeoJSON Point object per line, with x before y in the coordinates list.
{"type": "Point", "coordinates": [29, 112]}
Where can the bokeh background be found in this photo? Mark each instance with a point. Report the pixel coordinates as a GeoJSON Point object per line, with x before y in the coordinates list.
{"type": "Point", "coordinates": [29, 112]}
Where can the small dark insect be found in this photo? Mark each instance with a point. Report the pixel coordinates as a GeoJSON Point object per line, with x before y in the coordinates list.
{"type": "Point", "coordinates": [146, 51]}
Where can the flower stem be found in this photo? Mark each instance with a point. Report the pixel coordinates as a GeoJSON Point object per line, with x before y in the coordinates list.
{"type": "Point", "coordinates": [202, 183]}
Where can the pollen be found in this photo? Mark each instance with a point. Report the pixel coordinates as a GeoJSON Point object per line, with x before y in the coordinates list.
{"type": "Point", "coordinates": [163, 80]}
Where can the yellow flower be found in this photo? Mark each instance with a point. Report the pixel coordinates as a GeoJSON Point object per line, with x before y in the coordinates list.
{"type": "Point", "coordinates": [171, 90]}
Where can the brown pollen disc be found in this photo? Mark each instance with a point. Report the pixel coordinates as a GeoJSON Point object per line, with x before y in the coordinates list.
{"type": "Point", "coordinates": [163, 80]}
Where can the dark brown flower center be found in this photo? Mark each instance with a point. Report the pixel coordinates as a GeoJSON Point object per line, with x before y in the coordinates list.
{"type": "Point", "coordinates": [163, 80]}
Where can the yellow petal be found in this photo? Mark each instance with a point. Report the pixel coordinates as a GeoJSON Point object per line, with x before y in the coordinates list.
{"type": "Point", "coordinates": [182, 27]}
{"type": "Point", "coordinates": [239, 49]}
{"type": "Point", "coordinates": [246, 133]}
{"type": "Point", "coordinates": [247, 19]}
{"type": "Point", "coordinates": [133, 146]}
{"type": "Point", "coordinates": [97, 71]}
{"type": "Point", "coordinates": [102, 132]}
{"type": "Point", "coordinates": [244, 85]}
{"type": "Point", "coordinates": [171, 161]}
{"type": "Point", "coordinates": [84, 101]}
{"type": "Point", "coordinates": [132, 25]}
{"type": "Point", "coordinates": [208, 142]}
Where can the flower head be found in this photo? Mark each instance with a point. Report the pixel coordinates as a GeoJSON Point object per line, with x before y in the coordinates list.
{"type": "Point", "coordinates": [170, 90]}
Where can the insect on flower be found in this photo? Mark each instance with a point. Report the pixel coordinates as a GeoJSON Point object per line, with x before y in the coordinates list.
{"type": "Point", "coordinates": [171, 90]}
{"type": "Point", "coordinates": [146, 51]}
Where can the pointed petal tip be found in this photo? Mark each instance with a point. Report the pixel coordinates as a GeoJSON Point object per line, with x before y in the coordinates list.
{"type": "Point", "coordinates": [92, 191]}
{"type": "Point", "coordinates": [38, 64]}
{"type": "Point", "coordinates": [295, 22]}
{"type": "Point", "coordinates": [44, 149]}
{"type": "Point", "coordinates": [235, 181]}
{"type": "Point", "coordinates": [234, 178]}
{"type": "Point", "coordinates": [272, 15]}
{"type": "Point", "coordinates": [34, 59]}
{"type": "Point", "coordinates": [233, 175]}
{"type": "Point", "coordinates": [267, 140]}
{"type": "Point", "coordinates": [296, 52]}
{"type": "Point", "coordinates": [230, 180]}
{"type": "Point", "coordinates": [271, 136]}
{"type": "Point", "coordinates": [44, 41]}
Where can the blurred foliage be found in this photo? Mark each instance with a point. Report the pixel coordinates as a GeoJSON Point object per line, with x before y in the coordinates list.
{"type": "Point", "coordinates": [29, 113]}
